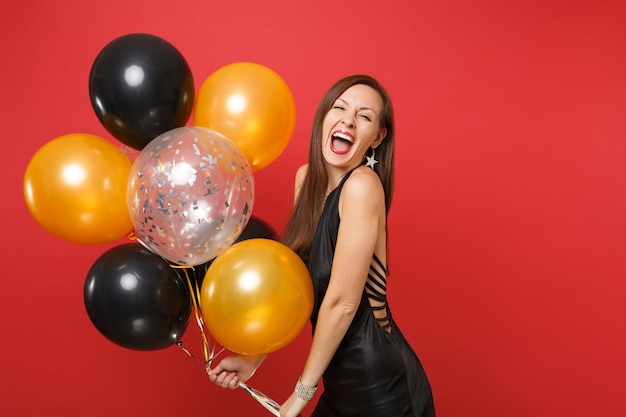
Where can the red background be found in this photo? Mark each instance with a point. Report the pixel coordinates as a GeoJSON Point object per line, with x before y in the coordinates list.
{"type": "Point", "coordinates": [507, 230]}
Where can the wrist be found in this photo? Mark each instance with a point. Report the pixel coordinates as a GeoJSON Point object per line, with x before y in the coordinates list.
{"type": "Point", "coordinates": [259, 360]}
{"type": "Point", "coordinates": [304, 392]}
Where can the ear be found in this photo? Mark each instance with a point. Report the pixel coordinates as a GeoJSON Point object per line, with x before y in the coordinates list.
{"type": "Point", "coordinates": [382, 133]}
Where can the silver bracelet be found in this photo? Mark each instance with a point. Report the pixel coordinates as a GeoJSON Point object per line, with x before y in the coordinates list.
{"type": "Point", "coordinates": [304, 392]}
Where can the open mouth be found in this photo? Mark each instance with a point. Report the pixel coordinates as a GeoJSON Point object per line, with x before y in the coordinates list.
{"type": "Point", "coordinates": [341, 142]}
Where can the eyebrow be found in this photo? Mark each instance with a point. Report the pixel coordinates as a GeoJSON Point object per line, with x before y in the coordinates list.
{"type": "Point", "coordinates": [360, 108]}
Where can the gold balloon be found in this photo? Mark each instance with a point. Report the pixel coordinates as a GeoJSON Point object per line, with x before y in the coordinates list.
{"type": "Point", "coordinates": [256, 296]}
{"type": "Point", "coordinates": [251, 105]}
{"type": "Point", "coordinates": [75, 188]}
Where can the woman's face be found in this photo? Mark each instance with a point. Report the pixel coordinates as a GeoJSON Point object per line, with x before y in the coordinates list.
{"type": "Point", "coordinates": [351, 127]}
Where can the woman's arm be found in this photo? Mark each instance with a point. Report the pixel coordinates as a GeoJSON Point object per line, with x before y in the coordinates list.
{"type": "Point", "coordinates": [362, 211]}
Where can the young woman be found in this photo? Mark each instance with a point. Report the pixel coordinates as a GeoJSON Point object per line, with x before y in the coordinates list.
{"type": "Point", "coordinates": [338, 226]}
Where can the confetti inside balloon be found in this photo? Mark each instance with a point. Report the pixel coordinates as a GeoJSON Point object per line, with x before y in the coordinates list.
{"type": "Point", "coordinates": [190, 194]}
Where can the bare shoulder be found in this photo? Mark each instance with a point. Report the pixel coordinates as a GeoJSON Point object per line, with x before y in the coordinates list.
{"type": "Point", "coordinates": [300, 174]}
{"type": "Point", "coordinates": [364, 185]}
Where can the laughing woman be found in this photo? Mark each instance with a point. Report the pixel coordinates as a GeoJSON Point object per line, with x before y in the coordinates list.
{"type": "Point", "coordinates": [339, 227]}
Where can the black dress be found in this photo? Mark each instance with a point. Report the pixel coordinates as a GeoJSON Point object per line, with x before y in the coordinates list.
{"type": "Point", "coordinates": [374, 373]}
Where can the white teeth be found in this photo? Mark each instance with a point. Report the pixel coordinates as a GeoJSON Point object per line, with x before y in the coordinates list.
{"type": "Point", "coordinates": [343, 136]}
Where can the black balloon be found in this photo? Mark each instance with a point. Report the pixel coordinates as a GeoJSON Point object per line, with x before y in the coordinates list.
{"type": "Point", "coordinates": [136, 299]}
{"type": "Point", "coordinates": [256, 228]}
{"type": "Point", "coordinates": [141, 86]}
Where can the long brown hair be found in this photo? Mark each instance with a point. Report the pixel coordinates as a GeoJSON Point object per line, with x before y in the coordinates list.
{"type": "Point", "coordinates": [300, 229]}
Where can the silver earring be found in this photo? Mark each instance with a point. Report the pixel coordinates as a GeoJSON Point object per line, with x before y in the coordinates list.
{"type": "Point", "coordinates": [371, 160]}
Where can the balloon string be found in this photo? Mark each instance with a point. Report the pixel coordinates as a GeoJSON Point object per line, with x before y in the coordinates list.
{"type": "Point", "coordinates": [194, 292]}
{"type": "Point", "coordinates": [269, 404]}
{"type": "Point", "coordinates": [133, 236]}
{"type": "Point", "coordinates": [195, 297]}
{"type": "Point", "coordinates": [184, 349]}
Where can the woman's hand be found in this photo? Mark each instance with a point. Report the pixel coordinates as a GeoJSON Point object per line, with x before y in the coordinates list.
{"type": "Point", "coordinates": [293, 406]}
{"type": "Point", "coordinates": [235, 368]}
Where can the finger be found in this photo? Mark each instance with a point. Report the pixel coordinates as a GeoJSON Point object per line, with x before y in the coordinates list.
{"type": "Point", "coordinates": [216, 370]}
{"type": "Point", "coordinates": [212, 377]}
{"type": "Point", "coordinates": [234, 383]}
{"type": "Point", "coordinates": [221, 378]}
{"type": "Point", "coordinates": [227, 380]}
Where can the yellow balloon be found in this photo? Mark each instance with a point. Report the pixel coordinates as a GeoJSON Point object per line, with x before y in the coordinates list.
{"type": "Point", "coordinates": [256, 296]}
{"type": "Point", "coordinates": [251, 105]}
{"type": "Point", "coordinates": [75, 188]}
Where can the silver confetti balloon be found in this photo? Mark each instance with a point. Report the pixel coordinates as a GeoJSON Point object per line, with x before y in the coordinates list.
{"type": "Point", "coordinates": [190, 194]}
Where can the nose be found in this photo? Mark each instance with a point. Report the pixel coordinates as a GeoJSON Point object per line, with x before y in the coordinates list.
{"type": "Point", "coordinates": [348, 120]}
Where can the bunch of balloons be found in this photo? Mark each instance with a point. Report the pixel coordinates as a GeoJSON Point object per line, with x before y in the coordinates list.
{"type": "Point", "coordinates": [183, 194]}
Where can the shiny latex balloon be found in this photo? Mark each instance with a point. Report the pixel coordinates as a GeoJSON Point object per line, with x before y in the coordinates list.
{"type": "Point", "coordinates": [75, 188]}
{"type": "Point", "coordinates": [250, 104]}
{"type": "Point", "coordinates": [136, 299]}
{"type": "Point", "coordinates": [141, 86]}
{"type": "Point", "coordinates": [190, 194]}
{"type": "Point", "coordinates": [256, 297]}
{"type": "Point", "coordinates": [256, 228]}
